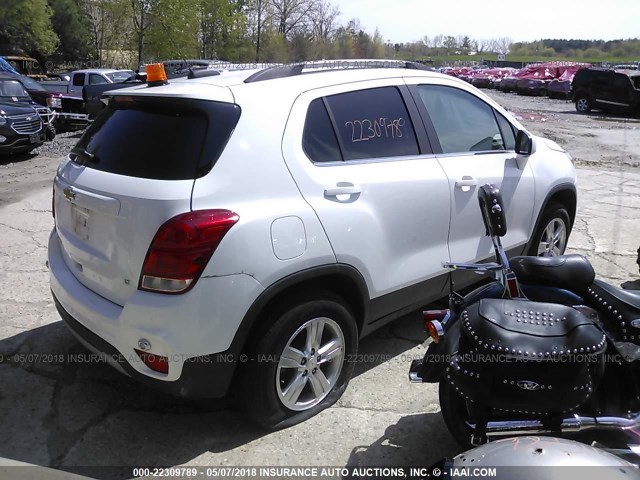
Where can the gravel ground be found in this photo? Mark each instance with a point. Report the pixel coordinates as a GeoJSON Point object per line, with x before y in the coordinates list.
{"type": "Point", "coordinates": [60, 146]}
{"type": "Point", "coordinates": [594, 140]}
{"type": "Point", "coordinates": [24, 174]}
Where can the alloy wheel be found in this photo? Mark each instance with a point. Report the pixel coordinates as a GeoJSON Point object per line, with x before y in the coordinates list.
{"type": "Point", "coordinates": [310, 364]}
{"type": "Point", "coordinates": [554, 239]}
{"type": "Point", "coordinates": [582, 105]}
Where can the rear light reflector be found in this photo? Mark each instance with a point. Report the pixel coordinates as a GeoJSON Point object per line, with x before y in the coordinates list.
{"type": "Point", "coordinates": [435, 330]}
{"type": "Point", "coordinates": [155, 362]}
{"type": "Point", "coordinates": [433, 323]}
{"type": "Point", "coordinates": [182, 248]}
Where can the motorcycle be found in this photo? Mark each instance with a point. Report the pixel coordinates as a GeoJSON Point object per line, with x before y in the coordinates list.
{"type": "Point", "coordinates": [544, 348]}
{"type": "Point", "coordinates": [538, 457]}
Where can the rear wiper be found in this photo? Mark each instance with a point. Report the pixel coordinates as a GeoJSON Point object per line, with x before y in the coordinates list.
{"type": "Point", "coordinates": [87, 157]}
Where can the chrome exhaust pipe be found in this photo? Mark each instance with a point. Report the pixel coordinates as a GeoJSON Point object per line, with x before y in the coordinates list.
{"type": "Point", "coordinates": [568, 425]}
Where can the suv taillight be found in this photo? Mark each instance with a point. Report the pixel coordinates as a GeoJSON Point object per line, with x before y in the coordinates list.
{"type": "Point", "coordinates": [182, 248]}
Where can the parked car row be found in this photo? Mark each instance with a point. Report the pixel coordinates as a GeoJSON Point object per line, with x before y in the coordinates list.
{"type": "Point", "coordinates": [604, 89]}
{"type": "Point", "coordinates": [531, 80]}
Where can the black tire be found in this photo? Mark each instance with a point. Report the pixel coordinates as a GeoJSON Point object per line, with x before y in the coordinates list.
{"type": "Point", "coordinates": [51, 132]}
{"type": "Point", "coordinates": [455, 414]}
{"type": "Point", "coordinates": [555, 222]}
{"type": "Point", "coordinates": [583, 104]}
{"type": "Point", "coordinates": [265, 382]}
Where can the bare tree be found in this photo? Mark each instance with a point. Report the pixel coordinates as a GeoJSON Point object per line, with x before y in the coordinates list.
{"type": "Point", "coordinates": [141, 16]}
{"type": "Point", "coordinates": [498, 45]}
{"type": "Point", "coordinates": [503, 44]}
{"type": "Point", "coordinates": [323, 20]}
{"type": "Point", "coordinates": [109, 27]}
{"type": "Point", "coordinates": [292, 14]}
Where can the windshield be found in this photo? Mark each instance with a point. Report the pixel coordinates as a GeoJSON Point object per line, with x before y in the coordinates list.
{"type": "Point", "coordinates": [123, 76]}
{"type": "Point", "coordinates": [31, 84]}
{"type": "Point", "coordinates": [12, 89]}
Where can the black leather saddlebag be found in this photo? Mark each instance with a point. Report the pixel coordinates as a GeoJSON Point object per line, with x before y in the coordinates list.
{"type": "Point", "coordinates": [526, 357]}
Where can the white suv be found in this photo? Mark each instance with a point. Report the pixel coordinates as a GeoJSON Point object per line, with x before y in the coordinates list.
{"type": "Point", "coordinates": [248, 228]}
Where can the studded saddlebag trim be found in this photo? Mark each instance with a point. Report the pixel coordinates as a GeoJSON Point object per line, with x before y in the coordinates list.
{"type": "Point", "coordinates": [537, 357]}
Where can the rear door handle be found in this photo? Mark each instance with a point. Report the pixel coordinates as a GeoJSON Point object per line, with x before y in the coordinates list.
{"type": "Point", "coordinates": [466, 182]}
{"type": "Point", "coordinates": [342, 190]}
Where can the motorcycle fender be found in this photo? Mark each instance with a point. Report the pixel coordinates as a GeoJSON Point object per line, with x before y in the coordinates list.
{"type": "Point", "coordinates": [439, 354]}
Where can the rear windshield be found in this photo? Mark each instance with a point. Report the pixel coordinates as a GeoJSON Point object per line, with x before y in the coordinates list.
{"type": "Point", "coordinates": [157, 138]}
{"type": "Point", "coordinates": [118, 77]}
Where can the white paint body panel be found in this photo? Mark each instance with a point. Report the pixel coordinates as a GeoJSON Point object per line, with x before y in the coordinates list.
{"type": "Point", "coordinates": [395, 231]}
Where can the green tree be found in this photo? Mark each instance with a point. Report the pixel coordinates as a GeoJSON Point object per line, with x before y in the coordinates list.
{"type": "Point", "coordinates": [25, 27]}
{"type": "Point", "coordinates": [222, 28]}
{"type": "Point", "coordinates": [450, 43]}
{"type": "Point", "coordinates": [174, 30]}
{"type": "Point", "coordinates": [72, 27]}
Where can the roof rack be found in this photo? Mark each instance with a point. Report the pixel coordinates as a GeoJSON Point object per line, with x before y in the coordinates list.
{"type": "Point", "coordinates": [292, 70]}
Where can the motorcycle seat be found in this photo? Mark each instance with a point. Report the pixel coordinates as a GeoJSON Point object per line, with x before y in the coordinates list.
{"type": "Point", "coordinates": [620, 296]}
{"type": "Point", "coordinates": [572, 272]}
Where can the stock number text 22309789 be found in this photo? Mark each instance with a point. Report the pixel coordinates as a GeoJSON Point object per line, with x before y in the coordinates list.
{"type": "Point", "coordinates": [367, 129]}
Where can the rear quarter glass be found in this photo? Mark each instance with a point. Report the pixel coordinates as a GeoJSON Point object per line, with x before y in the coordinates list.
{"type": "Point", "coordinates": [157, 138]}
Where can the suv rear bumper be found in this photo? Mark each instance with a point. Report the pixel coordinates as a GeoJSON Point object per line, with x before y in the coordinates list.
{"type": "Point", "coordinates": [201, 360]}
{"type": "Point", "coordinates": [206, 376]}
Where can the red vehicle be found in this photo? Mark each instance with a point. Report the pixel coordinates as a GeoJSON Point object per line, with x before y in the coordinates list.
{"type": "Point", "coordinates": [487, 78]}
{"type": "Point", "coordinates": [508, 83]}
{"type": "Point", "coordinates": [561, 86]}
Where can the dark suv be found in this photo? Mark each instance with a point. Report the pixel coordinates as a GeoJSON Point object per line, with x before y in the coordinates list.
{"type": "Point", "coordinates": [21, 128]}
{"type": "Point", "coordinates": [606, 90]}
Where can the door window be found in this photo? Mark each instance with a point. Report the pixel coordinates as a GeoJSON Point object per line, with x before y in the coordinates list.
{"type": "Point", "coordinates": [463, 122]}
{"type": "Point", "coordinates": [372, 123]}
{"type": "Point", "coordinates": [621, 83]}
{"type": "Point", "coordinates": [319, 140]}
{"type": "Point", "coordinates": [78, 79]}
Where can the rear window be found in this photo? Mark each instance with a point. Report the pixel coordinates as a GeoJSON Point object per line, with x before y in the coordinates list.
{"type": "Point", "coordinates": [162, 139]}
{"type": "Point", "coordinates": [118, 77]}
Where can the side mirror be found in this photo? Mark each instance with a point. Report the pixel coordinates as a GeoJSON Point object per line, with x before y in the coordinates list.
{"type": "Point", "coordinates": [524, 143]}
{"type": "Point", "coordinates": [492, 209]}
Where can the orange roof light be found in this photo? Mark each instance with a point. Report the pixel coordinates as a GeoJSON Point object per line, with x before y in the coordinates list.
{"type": "Point", "coordinates": [156, 74]}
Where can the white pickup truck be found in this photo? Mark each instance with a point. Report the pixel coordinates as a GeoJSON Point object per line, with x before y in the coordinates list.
{"type": "Point", "coordinates": [81, 78]}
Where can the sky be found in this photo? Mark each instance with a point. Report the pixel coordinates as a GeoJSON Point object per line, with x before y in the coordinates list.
{"type": "Point", "coordinates": [402, 21]}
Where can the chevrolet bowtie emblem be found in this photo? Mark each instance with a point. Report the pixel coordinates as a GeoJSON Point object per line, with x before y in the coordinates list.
{"type": "Point", "coordinates": [528, 385]}
{"type": "Point", "coordinates": [28, 118]}
{"type": "Point", "coordinates": [69, 194]}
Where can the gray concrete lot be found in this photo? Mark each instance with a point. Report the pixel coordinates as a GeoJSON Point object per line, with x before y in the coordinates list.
{"type": "Point", "coordinates": [57, 410]}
